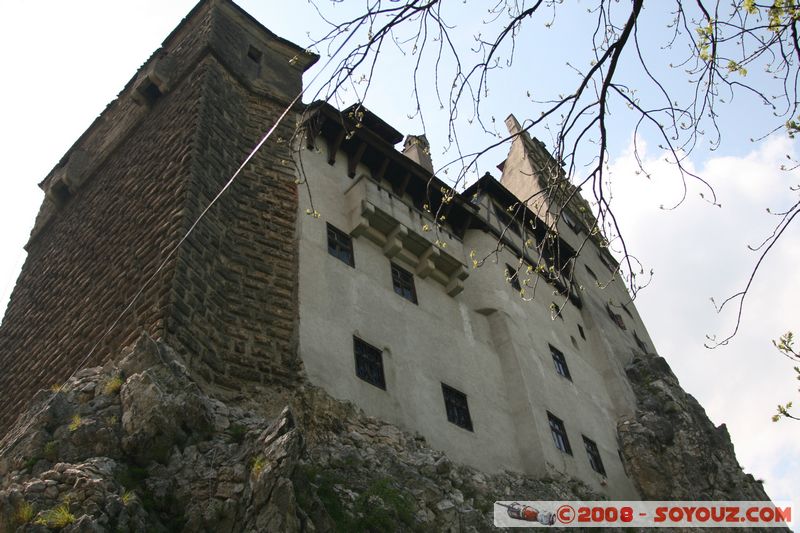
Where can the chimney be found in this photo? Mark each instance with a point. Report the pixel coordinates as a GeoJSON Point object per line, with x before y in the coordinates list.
{"type": "Point", "coordinates": [417, 149]}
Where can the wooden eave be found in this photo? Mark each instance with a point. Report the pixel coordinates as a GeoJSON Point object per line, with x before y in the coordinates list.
{"type": "Point", "coordinates": [360, 145]}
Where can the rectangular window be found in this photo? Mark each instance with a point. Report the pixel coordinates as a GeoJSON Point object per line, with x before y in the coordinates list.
{"type": "Point", "coordinates": [559, 433]}
{"type": "Point", "coordinates": [340, 245]}
{"type": "Point", "coordinates": [594, 456]}
{"type": "Point", "coordinates": [591, 273]}
{"type": "Point", "coordinates": [571, 222]}
{"type": "Point", "coordinates": [616, 318]}
{"type": "Point", "coordinates": [455, 403]}
{"type": "Point", "coordinates": [369, 363]}
{"type": "Point", "coordinates": [403, 282]}
{"type": "Point", "coordinates": [640, 343]}
{"type": "Point", "coordinates": [580, 330]}
{"type": "Point", "coordinates": [560, 362]}
{"type": "Point", "coordinates": [512, 277]}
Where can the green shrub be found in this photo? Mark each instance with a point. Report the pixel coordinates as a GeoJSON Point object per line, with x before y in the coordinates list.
{"type": "Point", "coordinates": [75, 423]}
{"type": "Point", "coordinates": [24, 513]}
{"type": "Point", "coordinates": [51, 451]}
{"type": "Point", "coordinates": [57, 518]}
{"type": "Point", "coordinates": [113, 385]}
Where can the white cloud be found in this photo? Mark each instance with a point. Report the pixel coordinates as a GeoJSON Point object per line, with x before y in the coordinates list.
{"type": "Point", "coordinates": [699, 251]}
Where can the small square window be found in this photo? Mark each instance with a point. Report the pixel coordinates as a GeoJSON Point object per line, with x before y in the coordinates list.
{"type": "Point", "coordinates": [616, 318]}
{"type": "Point", "coordinates": [559, 433]}
{"type": "Point", "coordinates": [594, 456]}
{"type": "Point", "coordinates": [571, 222]}
{"type": "Point", "coordinates": [403, 282]}
{"type": "Point", "coordinates": [580, 330]}
{"type": "Point", "coordinates": [455, 403]}
{"type": "Point", "coordinates": [560, 362]}
{"type": "Point", "coordinates": [254, 54]}
{"type": "Point", "coordinates": [150, 92]}
{"type": "Point", "coordinates": [369, 363]}
{"type": "Point", "coordinates": [512, 276]}
{"type": "Point", "coordinates": [340, 245]}
{"type": "Point", "coordinates": [555, 311]}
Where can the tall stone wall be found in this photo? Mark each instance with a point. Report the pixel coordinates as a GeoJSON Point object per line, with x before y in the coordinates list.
{"type": "Point", "coordinates": [143, 173]}
{"type": "Point", "coordinates": [95, 253]}
{"type": "Point", "coordinates": [234, 301]}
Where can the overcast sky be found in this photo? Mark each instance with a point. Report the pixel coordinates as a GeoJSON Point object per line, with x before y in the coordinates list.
{"type": "Point", "coordinates": [64, 61]}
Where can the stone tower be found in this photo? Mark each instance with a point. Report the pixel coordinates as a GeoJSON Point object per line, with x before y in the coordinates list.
{"type": "Point", "coordinates": [123, 195]}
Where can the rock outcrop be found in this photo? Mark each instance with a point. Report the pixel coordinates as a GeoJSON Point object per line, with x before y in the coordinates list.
{"type": "Point", "coordinates": [138, 445]}
{"type": "Point", "coordinates": [671, 449]}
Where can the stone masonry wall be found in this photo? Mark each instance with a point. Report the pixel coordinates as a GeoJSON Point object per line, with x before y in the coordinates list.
{"type": "Point", "coordinates": [98, 250]}
{"type": "Point", "coordinates": [228, 296]}
{"type": "Point", "coordinates": [234, 299]}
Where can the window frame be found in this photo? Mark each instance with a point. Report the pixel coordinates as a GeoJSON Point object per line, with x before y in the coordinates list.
{"type": "Point", "coordinates": [365, 356]}
{"type": "Point", "coordinates": [639, 342]}
{"type": "Point", "coordinates": [593, 454]}
{"type": "Point", "coordinates": [560, 362]}
{"type": "Point", "coordinates": [559, 433]}
{"type": "Point", "coordinates": [570, 221]}
{"type": "Point", "coordinates": [616, 318]}
{"type": "Point", "coordinates": [512, 276]}
{"type": "Point", "coordinates": [341, 241]}
{"type": "Point", "coordinates": [399, 284]}
{"type": "Point", "coordinates": [456, 407]}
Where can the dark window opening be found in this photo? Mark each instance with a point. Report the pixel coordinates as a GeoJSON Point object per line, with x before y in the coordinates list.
{"type": "Point", "coordinates": [369, 363]}
{"type": "Point", "coordinates": [616, 318]}
{"type": "Point", "coordinates": [640, 343]}
{"type": "Point", "coordinates": [403, 282]}
{"type": "Point", "coordinates": [150, 92]}
{"type": "Point", "coordinates": [580, 330]}
{"type": "Point", "coordinates": [594, 456]}
{"type": "Point", "coordinates": [556, 311]}
{"type": "Point", "coordinates": [560, 362]}
{"type": "Point", "coordinates": [591, 273]}
{"type": "Point", "coordinates": [559, 433]}
{"type": "Point", "coordinates": [59, 192]}
{"type": "Point", "coordinates": [254, 54]}
{"type": "Point", "coordinates": [513, 277]}
{"type": "Point", "coordinates": [571, 222]}
{"type": "Point", "coordinates": [574, 342]}
{"type": "Point", "coordinates": [340, 245]}
{"type": "Point", "coordinates": [455, 403]}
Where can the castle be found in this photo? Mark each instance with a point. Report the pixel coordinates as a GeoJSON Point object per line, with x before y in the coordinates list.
{"type": "Point", "coordinates": [390, 290]}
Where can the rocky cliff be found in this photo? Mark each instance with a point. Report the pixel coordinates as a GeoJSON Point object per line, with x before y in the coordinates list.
{"type": "Point", "coordinates": [671, 449]}
{"type": "Point", "coordinates": [142, 445]}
